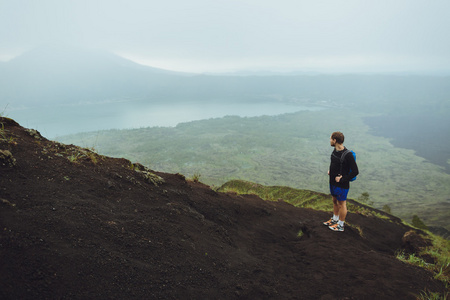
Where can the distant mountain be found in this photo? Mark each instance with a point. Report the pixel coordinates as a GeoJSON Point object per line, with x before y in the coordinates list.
{"type": "Point", "coordinates": [64, 74]}
{"type": "Point", "coordinates": [61, 74]}
{"type": "Point", "coordinates": [66, 58]}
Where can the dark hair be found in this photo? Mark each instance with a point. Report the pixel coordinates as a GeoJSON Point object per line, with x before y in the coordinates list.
{"type": "Point", "coordinates": [338, 136]}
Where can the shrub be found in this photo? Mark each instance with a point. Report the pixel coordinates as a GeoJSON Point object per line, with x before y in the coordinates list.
{"type": "Point", "coordinates": [418, 223]}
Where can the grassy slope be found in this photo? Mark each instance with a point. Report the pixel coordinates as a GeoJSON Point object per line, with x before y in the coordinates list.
{"type": "Point", "coordinates": [299, 198]}
{"type": "Point", "coordinates": [439, 250]}
{"type": "Point", "coordinates": [288, 150]}
{"type": "Point", "coordinates": [296, 197]}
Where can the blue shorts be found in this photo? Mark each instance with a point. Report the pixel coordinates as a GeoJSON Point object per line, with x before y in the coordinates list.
{"type": "Point", "coordinates": [339, 193]}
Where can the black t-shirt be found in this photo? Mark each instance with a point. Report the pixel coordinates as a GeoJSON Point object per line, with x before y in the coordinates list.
{"type": "Point", "coordinates": [349, 163]}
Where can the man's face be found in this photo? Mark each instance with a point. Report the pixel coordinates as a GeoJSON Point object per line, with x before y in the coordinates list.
{"type": "Point", "coordinates": [332, 142]}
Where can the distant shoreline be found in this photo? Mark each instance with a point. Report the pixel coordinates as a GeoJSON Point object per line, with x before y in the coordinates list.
{"type": "Point", "coordinates": [66, 120]}
{"type": "Point", "coordinates": [428, 135]}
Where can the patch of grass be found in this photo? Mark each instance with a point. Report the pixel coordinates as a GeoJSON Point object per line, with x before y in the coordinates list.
{"type": "Point", "coordinates": [4, 136]}
{"type": "Point", "coordinates": [432, 296]}
{"type": "Point", "coordinates": [439, 251]}
{"type": "Point", "coordinates": [296, 197]}
{"type": "Point", "coordinates": [92, 156]}
{"type": "Point", "coordinates": [12, 141]}
{"type": "Point", "coordinates": [76, 154]}
{"type": "Point", "coordinates": [74, 158]}
{"type": "Point", "coordinates": [196, 177]}
{"type": "Point", "coordinates": [152, 178]}
{"type": "Point", "coordinates": [361, 210]}
{"type": "Point", "coordinates": [440, 274]}
{"type": "Point", "coordinates": [357, 227]}
{"type": "Point", "coordinates": [146, 173]}
{"type": "Point", "coordinates": [412, 259]}
{"type": "Point", "coordinates": [2, 131]}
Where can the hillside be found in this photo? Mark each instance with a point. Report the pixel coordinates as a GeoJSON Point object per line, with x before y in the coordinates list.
{"type": "Point", "coordinates": [83, 226]}
{"type": "Point", "coordinates": [318, 201]}
{"type": "Point", "coordinates": [61, 75]}
{"type": "Point", "coordinates": [288, 150]}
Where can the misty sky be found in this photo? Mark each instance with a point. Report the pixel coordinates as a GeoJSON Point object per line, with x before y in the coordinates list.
{"type": "Point", "coordinates": [233, 35]}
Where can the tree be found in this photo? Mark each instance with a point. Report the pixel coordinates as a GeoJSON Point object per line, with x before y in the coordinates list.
{"type": "Point", "coordinates": [365, 198]}
{"type": "Point", "coordinates": [417, 222]}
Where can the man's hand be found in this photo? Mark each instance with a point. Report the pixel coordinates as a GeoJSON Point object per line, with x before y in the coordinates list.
{"type": "Point", "coordinates": [338, 178]}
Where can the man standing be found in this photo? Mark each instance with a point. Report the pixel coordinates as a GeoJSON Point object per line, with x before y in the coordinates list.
{"type": "Point", "coordinates": [342, 168]}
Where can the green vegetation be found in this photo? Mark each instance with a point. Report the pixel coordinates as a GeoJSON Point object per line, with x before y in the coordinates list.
{"type": "Point", "coordinates": [74, 154]}
{"type": "Point", "coordinates": [357, 227]}
{"type": "Point", "coordinates": [387, 209]}
{"type": "Point", "coordinates": [412, 259]}
{"type": "Point", "coordinates": [296, 197]}
{"type": "Point", "coordinates": [4, 134]}
{"type": "Point", "coordinates": [440, 253]}
{"type": "Point", "coordinates": [287, 150]}
{"type": "Point", "coordinates": [432, 296]}
{"type": "Point", "coordinates": [146, 173]}
{"type": "Point", "coordinates": [196, 177]}
{"type": "Point", "coordinates": [74, 157]}
{"type": "Point", "coordinates": [417, 222]}
{"type": "Point", "coordinates": [365, 198]}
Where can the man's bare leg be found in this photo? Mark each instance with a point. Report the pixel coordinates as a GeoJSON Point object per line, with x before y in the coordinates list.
{"type": "Point", "coordinates": [342, 213]}
{"type": "Point", "coordinates": [335, 206]}
{"type": "Point", "coordinates": [342, 210]}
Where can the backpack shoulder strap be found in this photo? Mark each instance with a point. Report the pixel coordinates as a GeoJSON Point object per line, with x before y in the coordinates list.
{"type": "Point", "coordinates": [346, 151]}
{"type": "Point", "coordinates": [332, 154]}
{"type": "Point", "coordinates": [344, 154]}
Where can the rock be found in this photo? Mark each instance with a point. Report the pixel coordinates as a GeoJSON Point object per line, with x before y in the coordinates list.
{"type": "Point", "coordinates": [152, 178]}
{"type": "Point", "coordinates": [147, 174]}
{"type": "Point", "coordinates": [7, 159]}
{"type": "Point", "coordinates": [414, 243]}
{"type": "Point", "coordinates": [34, 133]}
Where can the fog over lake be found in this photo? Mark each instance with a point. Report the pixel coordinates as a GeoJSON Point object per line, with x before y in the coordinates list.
{"type": "Point", "coordinates": [62, 120]}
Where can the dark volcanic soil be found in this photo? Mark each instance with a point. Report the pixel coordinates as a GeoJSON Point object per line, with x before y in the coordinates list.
{"type": "Point", "coordinates": [77, 225]}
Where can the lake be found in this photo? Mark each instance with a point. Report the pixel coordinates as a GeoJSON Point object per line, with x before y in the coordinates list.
{"type": "Point", "coordinates": [56, 121]}
{"type": "Point", "coordinates": [427, 134]}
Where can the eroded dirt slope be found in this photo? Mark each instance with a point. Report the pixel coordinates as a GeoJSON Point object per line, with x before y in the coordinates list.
{"type": "Point", "coordinates": [77, 225]}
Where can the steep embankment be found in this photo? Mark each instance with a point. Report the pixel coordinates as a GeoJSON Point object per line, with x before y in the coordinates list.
{"type": "Point", "coordinates": [78, 225]}
{"type": "Point", "coordinates": [302, 198]}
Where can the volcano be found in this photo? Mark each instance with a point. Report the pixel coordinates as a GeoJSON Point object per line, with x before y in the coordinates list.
{"type": "Point", "coordinates": [79, 225]}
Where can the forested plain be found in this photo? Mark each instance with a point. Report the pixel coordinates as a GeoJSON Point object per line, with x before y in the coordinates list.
{"type": "Point", "coordinates": [288, 150]}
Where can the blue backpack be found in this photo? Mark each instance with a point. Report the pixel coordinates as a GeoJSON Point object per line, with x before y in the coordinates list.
{"type": "Point", "coordinates": [343, 157]}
